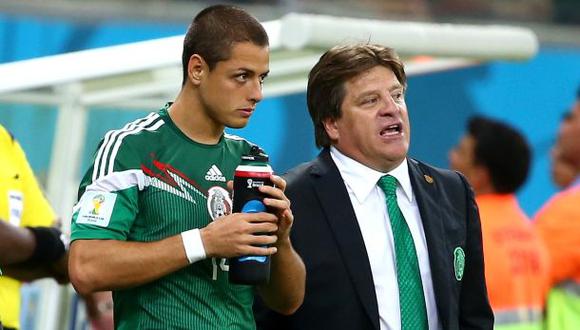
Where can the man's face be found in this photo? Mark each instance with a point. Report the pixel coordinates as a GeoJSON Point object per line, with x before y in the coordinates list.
{"type": "Point", "coordinates": [569, 137]}
{"type": "Point", "coordinates": [229, 93]}
{"type": "Point", "coordinates": [462, 158]}
{"type": "Point", "coordinates": [374, 126]}
{"type": "Point", "coordinates": [563, 172]}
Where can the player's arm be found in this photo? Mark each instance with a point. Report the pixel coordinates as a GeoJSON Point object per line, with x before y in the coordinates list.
{"type": "Point", "coordinates": [17, 244]}
{"type": "Point", "coordinates": [98, 265]}
{"type": "Point", "coordinates": [32, 253]}
{"type": "Point", "coordinates": [285, 291]}
{"type": "Point", "coordinates": [29, 271]}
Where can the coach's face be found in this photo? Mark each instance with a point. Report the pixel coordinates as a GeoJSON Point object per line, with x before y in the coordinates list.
{"type": "Point", "coordinates": [374, 125]}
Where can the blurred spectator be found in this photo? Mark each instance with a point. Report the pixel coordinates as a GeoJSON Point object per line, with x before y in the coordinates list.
{"type": "Point", "coordinates": [19, 244]}
{"type": "Point", "coordinates": [31, 248]}
{"type": "Point", "coordinates": [563, 172]}
{"type": "Point", "coordinates": [559, 224]}
{"type": "Point", "coordinates": [495, 158]}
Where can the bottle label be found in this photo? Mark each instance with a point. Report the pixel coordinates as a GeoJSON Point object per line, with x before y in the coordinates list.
{"type": "Point", "coordinates": [247, 171]}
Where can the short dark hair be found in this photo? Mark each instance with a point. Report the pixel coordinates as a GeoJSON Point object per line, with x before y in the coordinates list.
{"type": "Point", "coordinates": [503, 151]}
{"type": "Point", "coordinates": [326, 81]}
{"type": "Point", "coordinates": [214, 31]}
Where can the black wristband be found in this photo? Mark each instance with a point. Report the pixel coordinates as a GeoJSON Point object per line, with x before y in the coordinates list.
{"type": "Point", "coordinates": [49, 246]}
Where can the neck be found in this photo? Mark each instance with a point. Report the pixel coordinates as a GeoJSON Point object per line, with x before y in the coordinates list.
{"type": "Point", "coordinates": [190, 116]}
{"type": "Point", "coordinates": [483, 190]}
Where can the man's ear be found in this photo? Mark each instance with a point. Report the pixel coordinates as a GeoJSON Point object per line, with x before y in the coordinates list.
{"type": "Point", "coordinates": [195, 69]}
{"type": "Point", "coordinates": [331, 127]}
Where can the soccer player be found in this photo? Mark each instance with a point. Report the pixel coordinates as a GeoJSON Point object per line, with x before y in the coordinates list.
{"type": "Point", "coordinates": [143, 226]}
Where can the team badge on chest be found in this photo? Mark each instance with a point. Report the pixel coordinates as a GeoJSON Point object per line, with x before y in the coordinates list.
{"type": "Point", "coordinates": [219, 202]}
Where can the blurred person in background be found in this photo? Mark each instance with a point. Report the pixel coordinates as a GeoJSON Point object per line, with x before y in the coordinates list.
{"type": "Point", "coordinates": [389, 242]}
{"type": "Point", "coordinates": [146, 224]}
{"type": "Point", "coordinates": [563, 172]}
{"type": "Point", "coordinates": [558, 221]}
{"type": "Point", "coordinates": [20, 245]}
{"type": "Point", "coordinates": [31, 247]}
{"type": "Point", "coordinates": [495, 158]}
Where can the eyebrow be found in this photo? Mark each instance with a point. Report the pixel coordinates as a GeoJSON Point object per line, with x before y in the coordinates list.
{"type": "Point", "coordinates": [396, 86]}
{"type": "Point", "coordinates": [374, 91]}
{"type": "Point", "coordinates": [247, 70]}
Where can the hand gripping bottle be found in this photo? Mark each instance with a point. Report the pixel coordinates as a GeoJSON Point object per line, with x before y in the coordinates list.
{"type": "Point", "coordinates": [253, 172]}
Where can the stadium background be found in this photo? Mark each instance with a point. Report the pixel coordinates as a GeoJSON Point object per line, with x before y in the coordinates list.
{"type": "Point", "coordinates": [531, 95]}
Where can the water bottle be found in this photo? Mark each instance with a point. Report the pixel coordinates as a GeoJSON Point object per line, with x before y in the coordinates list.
{"type": "Point", "coordinates": [253, 172]}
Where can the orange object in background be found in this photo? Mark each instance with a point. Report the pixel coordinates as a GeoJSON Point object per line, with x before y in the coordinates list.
{"type": "Point", "coordinates": [517, 264]}
{"type": "Point", "coordinates": [559, 224]}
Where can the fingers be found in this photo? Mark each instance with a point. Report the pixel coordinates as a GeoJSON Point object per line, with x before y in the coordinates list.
{"type": "Point", "coordinates": [279, 204]}
{"type": "Point", "coordinates": [277, 190]}
{"type": "Point", "coordinates": [254, 217]}
{"type": "Point", "coordinates": [278, 182]}
{"type": "Point", "coordinates": [260, 240]}
{"type": "Point", "coordinates": [264, 227]}
{"type": "Point", "coordinates": [260, 251]}
{"type": "Point", "coordinates": [276, 197]}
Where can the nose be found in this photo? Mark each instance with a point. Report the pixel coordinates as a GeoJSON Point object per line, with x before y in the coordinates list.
{"type": "Point", "coordinates": [255, 91]}
{"type": "Point", "coordinates": [390, 106]}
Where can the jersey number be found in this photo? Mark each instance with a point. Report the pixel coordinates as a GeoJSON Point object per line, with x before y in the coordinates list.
{"type": "Point", "coordinates": [223, 266]}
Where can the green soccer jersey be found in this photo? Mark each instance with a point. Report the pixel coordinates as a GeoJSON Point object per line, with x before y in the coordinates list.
{"type": "Point", "coordinates": [148, 182]}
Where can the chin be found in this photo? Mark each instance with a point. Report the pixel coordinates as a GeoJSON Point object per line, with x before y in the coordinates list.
{"type": "Point", "coordinates": [237, 125]}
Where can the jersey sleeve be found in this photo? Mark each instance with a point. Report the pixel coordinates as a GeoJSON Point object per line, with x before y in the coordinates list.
{"type": "Point", "coordinates": [36, 209]}
{"type": "Point", "coordinates": [109, 193]}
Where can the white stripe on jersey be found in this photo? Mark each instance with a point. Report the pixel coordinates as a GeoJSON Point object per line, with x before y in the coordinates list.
{"type": "Point", "coordinates": [100, 160]}
{"type": "Point", "coordinates": [122, 136]}
{"type": "Point", "coordinates": [217, 170]}
{"type": "Point", "coordinates": [117, 181]}
{"type": "Point", "coordinates": [120, 180]}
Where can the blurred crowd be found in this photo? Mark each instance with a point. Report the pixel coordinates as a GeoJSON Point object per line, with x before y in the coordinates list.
{"type": "Point", "coordinates": [532, 265]}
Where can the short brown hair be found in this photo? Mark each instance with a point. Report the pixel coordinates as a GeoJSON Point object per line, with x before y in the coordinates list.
{"type": "Point", "coordinates": [325, 92]}
{"type": "Point", "coordinates": [214, 31]}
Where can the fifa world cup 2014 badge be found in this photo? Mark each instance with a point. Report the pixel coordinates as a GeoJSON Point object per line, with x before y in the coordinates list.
{"type": "Point", "coordinates": [458, 262]}
{"type": "Point", "coordinates": [98, 200]}
{"type": "Point", "coordinates": [219, 202]}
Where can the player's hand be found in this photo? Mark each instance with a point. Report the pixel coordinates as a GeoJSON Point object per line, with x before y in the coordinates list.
{"type": "Point", "coordinates": [99, 308]}
{"type": "Point", "coordinates": [281, 206]}
{"type": "Point", "coordinates": [240, 234]}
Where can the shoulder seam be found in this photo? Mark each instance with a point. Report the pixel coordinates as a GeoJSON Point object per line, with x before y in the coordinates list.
{"type": "Point", "coordinates": [113, 139]}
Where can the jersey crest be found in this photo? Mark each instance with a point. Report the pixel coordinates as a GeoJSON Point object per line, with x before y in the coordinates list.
{"type": "Point", "coordinates": [219, 202]}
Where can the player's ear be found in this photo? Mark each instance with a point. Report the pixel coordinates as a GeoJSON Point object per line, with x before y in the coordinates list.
{"type": "Point", "coordinates": [196, 68]}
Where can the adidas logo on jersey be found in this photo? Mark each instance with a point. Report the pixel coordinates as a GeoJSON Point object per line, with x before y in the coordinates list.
{"type": "Point", "coordinates": [214, 174]}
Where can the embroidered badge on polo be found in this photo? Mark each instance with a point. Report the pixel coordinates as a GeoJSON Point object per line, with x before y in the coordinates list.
{"type": "Point", "coordinates": [96, 208]}
{"type": "Point", "coordinates": [458, 262]}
